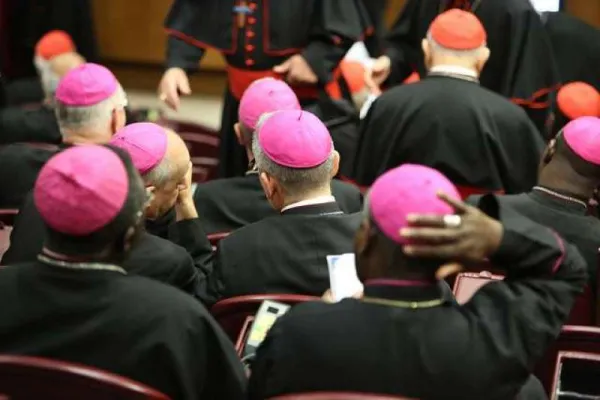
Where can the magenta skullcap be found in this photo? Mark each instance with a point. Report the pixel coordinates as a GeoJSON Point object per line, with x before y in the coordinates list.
{"type": "Point", "coordinates": [408, 189]}
{"type": "Point", "coordinates": [145, 142]}
{"type": "Point", "coordinates": [582, 135]}
{"type": "Point", "coordinates": [295, 139]}
{"type": "Point", "coordinates": [86, 85]}
{"type": "Point", "coordinates": [81, 189]}
{"type": "Point", "coordinates": [265, 96]}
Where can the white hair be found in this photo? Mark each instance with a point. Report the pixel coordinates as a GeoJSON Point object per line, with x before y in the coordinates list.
{"type": "Point", "coordinates": [89, 117]}
{"type": "Point", "coordinates": [439, 49]}
{"type": "Point", "coordinates": [295, 181]}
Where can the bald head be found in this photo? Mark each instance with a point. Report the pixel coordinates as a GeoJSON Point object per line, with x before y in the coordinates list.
{"type": "Point", "coordinates": [64, 63]}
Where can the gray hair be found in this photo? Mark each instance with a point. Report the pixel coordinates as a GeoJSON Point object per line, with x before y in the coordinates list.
{"type": "Point", "coordinates": [159, 175]}
{"type": "Point", "coordinates": [89, 117]}
{"type": "Point", "coordinates": [295, 181]}
{"type": "Point", "coordinates": [439, 49]}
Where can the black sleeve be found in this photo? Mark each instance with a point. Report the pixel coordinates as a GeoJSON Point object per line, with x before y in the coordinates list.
{"type": "Point", "coordinates": [512, 322]}
{"type": "Point", "coordinates": [376, 13]}
{"type": "Point", "coordinates": [190, 235]}
{"type": "Point", "coordinates": [181, 54]}
{"type": "Point", "coordinates": [336, 26]}
{"type": "Point", "coordinates": [402, 44]}
{"type": "Point", "coordinates": [27, 235]}
{"type": "Point", "coordinates": [18, 125]}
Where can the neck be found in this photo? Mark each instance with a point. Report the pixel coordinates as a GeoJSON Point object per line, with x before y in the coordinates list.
{"type": "Point", "coordinates": [76, 258]}
{"type": "Point", "coordinates": [566, 181]}
{"type": "Point", "coordinates": [442, 62]}
{"type": "Point", "coordinates": [85, 137]}
{"type": "Point", "coordinates": [322, 192]}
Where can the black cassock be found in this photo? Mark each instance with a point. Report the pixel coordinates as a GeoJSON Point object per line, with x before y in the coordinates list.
{"type": "Point", "coordinates": [254, 42]}
{"type": "Point", "coordinates": [567, 218]}
{"type": "Point", "coordinates": [576, 46]}
{"type": "Point", "coordinates": [231, 203]}
{"type": "Point", "coordinates": [129, 325]}
{"type": "Point", "coordinates": [152, 257]}
{"type": "Point", "coordinates": [484, 349]}
{"type": "Point", "coordinates": [29, 125]}
{"type": "Point", "coordinates": [281, 254]}
{"type": "Point", "coordinates": [521, 66]}
{"type": "Point", "coordinates": [478, 139]}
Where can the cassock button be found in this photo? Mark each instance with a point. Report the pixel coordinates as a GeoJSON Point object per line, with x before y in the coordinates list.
{"type": "Point", "coordinates": [249, 62]}
{"type": "Point", "coordinates": [249, 47]}
{"type": "Point", "coordinates": [252, 6]}
{"type": "Point", "coordinates": [251, 20]}
{"type": "Point", "coordinates": [250, 34]}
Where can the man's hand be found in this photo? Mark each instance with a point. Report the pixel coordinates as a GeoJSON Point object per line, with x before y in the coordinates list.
{"type": "Point", "coordinates": [174, 82]}
{"type": "Point", "coordinates": [379, 72]}
{"type": "Point", "coordinates": [185, 207]}
{"type": "Point", "coordinates": [328, 296]}
{"type": "Point", "coordinates": [297, 71]}
{"type": "Point", "coordinates": [476, 237]}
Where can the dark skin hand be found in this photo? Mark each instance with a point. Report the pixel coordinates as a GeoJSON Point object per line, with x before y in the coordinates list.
{"type": "Point", "coordinates": [478, 236]}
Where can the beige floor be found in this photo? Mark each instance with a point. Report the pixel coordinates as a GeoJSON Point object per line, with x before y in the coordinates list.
{"type": "Point", "coordinates": [204, 109]}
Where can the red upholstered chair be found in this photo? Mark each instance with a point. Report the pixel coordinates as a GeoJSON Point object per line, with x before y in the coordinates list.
{"type": "Point", "coordinates": [7, 218]}
{"type": "Point", "coordinates": [337, 396]}
{"type": "Point", "coordinates": [467, 283]}
{"type": "Point", "coordinates": [571, 339]}
{"type": "Point", "coordinates": [582, 378]}
{"type": "Point", "coordinates": [203, 144]}
{"type": "Point", "coordinates": [37, 378]}
{"type": "Point", "coordinates": [232, 313]}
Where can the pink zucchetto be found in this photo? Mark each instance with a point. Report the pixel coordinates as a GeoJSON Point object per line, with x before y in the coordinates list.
{"type": "Point", "coordinates": [81, 189]}
{"type": "Point", "coordinates": [145, 142]}
{"type": "Point", "coordinates": [295, 139]}
{"type": "Point", "coordinates": [582, 135]}
{"type": "Point", "coordinates": [265, 96]}
{"type": "Point", "coordinates": [408, 189]}
{"type": "Point", "coordinates": [86, 85]}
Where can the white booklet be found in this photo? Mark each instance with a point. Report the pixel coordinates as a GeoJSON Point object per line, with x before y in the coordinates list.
{"type": "Point", "coordinates": [342, 276]}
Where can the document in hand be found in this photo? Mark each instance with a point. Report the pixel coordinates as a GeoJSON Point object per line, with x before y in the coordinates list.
{"type": "Point", "coordinates": [342, 276]}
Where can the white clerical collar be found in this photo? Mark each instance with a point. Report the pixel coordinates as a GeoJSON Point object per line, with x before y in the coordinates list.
{"type": "Point", "coordinates": [454, 70]}
{"type": "Point", "coordinates": [310, 202]}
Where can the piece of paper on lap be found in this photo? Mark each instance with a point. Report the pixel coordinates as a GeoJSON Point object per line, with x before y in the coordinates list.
{"type": "Point", "coordinates": [342, 276]}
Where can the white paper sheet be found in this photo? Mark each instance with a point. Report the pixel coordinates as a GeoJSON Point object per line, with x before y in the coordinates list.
{"type": "Point", "coordinates": [546, 5]}
{"type": "Point", "coordinates": [342, 276]}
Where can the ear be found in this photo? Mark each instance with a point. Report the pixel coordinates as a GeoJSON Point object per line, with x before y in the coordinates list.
{"type": "Point", "coordinates": [118, 120]}
{"type": "Point", "coordinates": [151, 189]}
{"type": "Point", "coordinates": [238, 133]}
{"type": "Point", "coordinates": [483, 58]}
{"type": "Point", "coordinates": [426, 48]}
{"type": "Point", "coordinates": [267, 184]}
{"type": "Point", "coordinates": [361, 239]}
{"type": "Point", "coordinates": [336, 164]}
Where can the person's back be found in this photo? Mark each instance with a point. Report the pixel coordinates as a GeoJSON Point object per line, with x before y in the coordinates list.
{"type": "Point", "coordinates": [129, 325]}
{"type": "Point", "coordinates": [231, 203]}
{"type": "Point", "coordinates": [405, 335]}
{"type": "Point", "coordinates": [448, 121]}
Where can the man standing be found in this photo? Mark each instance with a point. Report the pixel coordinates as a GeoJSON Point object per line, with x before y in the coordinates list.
{"type": "Point", "coordinates": [447, 121]}
{"type": "Point", "coordinates": [521, 67]}
{"type": "Point", "coordinates": [301, 41]}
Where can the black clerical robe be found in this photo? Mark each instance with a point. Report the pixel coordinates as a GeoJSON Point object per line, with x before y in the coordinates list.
{"type": "Point", "coordinates": [281, 254]}
{"type": "Point", "coordinates": [484, 349]}
{"type": "Point", "coordinates": [576, 47]}
{"type": "Point", "coordinates": [479, 140]}
{"type": "Point", "coordinates": [256, 38]}
{"type": "Point", "coordinates": [152, 257]}
{"type": "Point", "coordinates": [225, 205]}
{"type": "Point", "coordinates": [128, 325]}
{"type": "Point", "coordinates": [36, 125]}
{"type": "Point", "coordinates": [521, 66]}
{"type": "Point", "coordinates": [569, 219]}
{"type": "Point", "coordinates": [20, 164]}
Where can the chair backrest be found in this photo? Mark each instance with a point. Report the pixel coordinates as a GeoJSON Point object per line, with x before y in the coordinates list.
{"type": "Point", "coordinates": [576, 371]}
{"type": "Point", "coordinates": [467, 283]}
{"type": "Point", "coordinates": [36, 378]}
{"type": "Point", "coordinates": [572, 338]}
{"type": "Point", "coordinates": [203, 144]}
{"type": "Point", "coordinates": [232, 313]}
{"type": "Point", "coordinates": [7, 219]}
{"type": "Point", "coordinates": [337, 396]}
